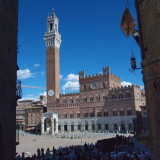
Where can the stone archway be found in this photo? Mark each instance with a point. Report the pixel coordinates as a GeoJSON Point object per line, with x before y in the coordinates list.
{"type": "Point", "coordinates": [123, 129]}
{"type": "Point", "coordinates": [65, 127]}
{"type": "Point", "coordinates": [86, 125]}
{"type": "Point", "coordinates": [49, 123]}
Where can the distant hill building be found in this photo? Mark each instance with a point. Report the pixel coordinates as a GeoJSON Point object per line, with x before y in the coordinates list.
{"type": "Point", "coordinates": [29, 113]}
{"type": "Point", "coordinates": [102, 103]}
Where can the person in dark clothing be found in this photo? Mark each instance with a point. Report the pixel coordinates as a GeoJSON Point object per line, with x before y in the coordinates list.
{"type": "Point", "coordinates": [38, 153]}
{"type": "Point", "coordinates": [42, 151]}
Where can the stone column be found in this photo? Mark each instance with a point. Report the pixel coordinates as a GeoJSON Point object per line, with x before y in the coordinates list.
{"type": "Point", "coordinates": [52, 125]}
{"type": "Point", "coordinates": [102, 127]}
{"type": "Point", "coordinates": [62, 128]}
{"type": "Point", "coordinates": [56, 131]}
{"type": "Point", "coordinates": [89, 127]}
{"type": "Point", "coordinates": [126, 127]}
{"type": "Point", "coordinates": [69, 128]}
{"type": "Point", "coordinates": [42, 126]}
{"type": "Point", "coordinates": [82, 127]}
{"type": "Point", "coordinates": [75, 128]}
{"type": "Point", "coordinates": [111, 127]}
{"type": "Point", "coordinates": [96, 127]}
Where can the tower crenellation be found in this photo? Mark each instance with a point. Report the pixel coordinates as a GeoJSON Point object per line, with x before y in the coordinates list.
{"type": "Point", "coordinates": [106, 70]}
{"type": "Point", "coordinates": [81, 74]}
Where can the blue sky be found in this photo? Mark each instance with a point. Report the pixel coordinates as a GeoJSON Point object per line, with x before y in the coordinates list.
{"type": "Point", "coordinates": [91, 39]}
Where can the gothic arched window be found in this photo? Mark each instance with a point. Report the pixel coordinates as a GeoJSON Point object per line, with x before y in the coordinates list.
{"type": "Point", "coordinates": [97, 98]}
{"type": "Point", "coordinates": [91, 98]}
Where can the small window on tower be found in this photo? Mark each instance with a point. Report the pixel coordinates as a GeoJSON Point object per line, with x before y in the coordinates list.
{"type": "Point", "coordinates": [51, 26]}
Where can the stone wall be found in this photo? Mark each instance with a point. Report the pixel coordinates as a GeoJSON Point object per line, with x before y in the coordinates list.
{"type": "Point", "coordinates": [8, 72]}
{"type": "Point", "coordinates": [148, 12]}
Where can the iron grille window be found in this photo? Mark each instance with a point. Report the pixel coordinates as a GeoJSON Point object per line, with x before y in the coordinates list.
{"type": "Point", "coordinates": [91, 99]}
{"type": "Point", "coordinates": [85, 99]}
{"type": "Point", "coordinates": [113, 96]}
{"type": "Point", "coordinates": [121, 113]}
{"type": "Point", "coordinates": [71, 115]}
{"type": "Point", "coordinates": [64, 101]}
{"type": "Point", "coordinates": [114, 113]}
{"type": "Point", "coordinates": [85, 114]}
{"type": "Point", "coordinates": [128, 95]}
{"type": "Point", "coordinates": [99, 126]}
{"type": "Point", "coordinates": [98, 114]}
{"type": "Point", "coordinates": [104, 98]}
{"type": "Point", "coordinates": [71, 100]}
{"type": "Point", "coordinates": [77, 100]}
{"type": "Point", "coordinates": [92, 114]}
{"type": "Point", "coordinates": [65, 115]}
{"type": "Point", "coordinates": [129, 112]}
{"type": "Point", "coordinates": [86, 127]}
{"type": "Point", "coordinates": [120, 96]}
{"type": "Point", "coordinates": [98, 98]}
{"type": "Point", "coordinates": [105, 114]}
{"type": "Point", "coordinates": [78, 115]}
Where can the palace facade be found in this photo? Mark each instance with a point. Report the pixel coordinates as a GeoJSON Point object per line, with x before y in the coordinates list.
{"type": "Point", "coordinates": [101, 105]}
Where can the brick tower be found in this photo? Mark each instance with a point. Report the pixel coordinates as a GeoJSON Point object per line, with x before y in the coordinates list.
{"type": "Point", "coordinates": [53, 41]}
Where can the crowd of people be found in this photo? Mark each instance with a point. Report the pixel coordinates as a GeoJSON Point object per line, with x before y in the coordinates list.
{"type": "Point", "coordinates": [118, 148]}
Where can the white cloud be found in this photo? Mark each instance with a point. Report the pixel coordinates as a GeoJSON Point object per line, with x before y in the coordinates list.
{"type": "Point", "coordinates": [26, 98]}
{"type": "Point", "coordinates": [32, 97]}
{"type": "Point", "coordinates": [44, 94]}
{"type": "Point", "coordinates": [42, 73]}
{"type": "Point", "coordinates": [36, 65]}
{"type": "Point", "coordinates": [60, 76]}
{"type": "Point", "coordinates": [142, 87]}
{"type": "Point", "coordinates": [72, 77]}
{"type": "Point", "coordinates": [29, 97]}
{"type": "Point", "coordinates": [70, 86]}
{"type": "Point", "coordinates": [24, 74]}
{"type": "Point", "coordinates": [72, 83]}
{"type": "Point", "coordinates": [124, 83]}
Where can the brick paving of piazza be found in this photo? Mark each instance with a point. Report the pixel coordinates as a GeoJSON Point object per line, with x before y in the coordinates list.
{"type": "Point", "coordinates": [28, 145]}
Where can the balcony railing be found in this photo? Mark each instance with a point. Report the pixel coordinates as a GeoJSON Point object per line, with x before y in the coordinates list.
{"type": "Point", "coordinates": [18, 90]}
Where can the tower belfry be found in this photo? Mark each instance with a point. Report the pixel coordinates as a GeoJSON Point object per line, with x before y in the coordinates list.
{"type": "Point", "coordinates": [53, 40]}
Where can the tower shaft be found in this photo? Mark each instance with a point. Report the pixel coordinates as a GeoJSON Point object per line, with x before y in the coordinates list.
{"type": "Point", "coordinates": [53, 72]}
{"type": "Point", "coordinates": [53, 41]}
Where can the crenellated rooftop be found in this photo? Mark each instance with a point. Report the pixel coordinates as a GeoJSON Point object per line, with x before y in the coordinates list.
{"type": "Point", "coordinates": [125, 87]}
{"type": "Point", "coordinates": [105, 71]}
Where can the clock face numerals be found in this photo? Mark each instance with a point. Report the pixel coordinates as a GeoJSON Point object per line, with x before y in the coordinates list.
{"type": "Point", "coordinates": [93, 85]}
{"type": "Point", "coordinates": [50, 92]}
